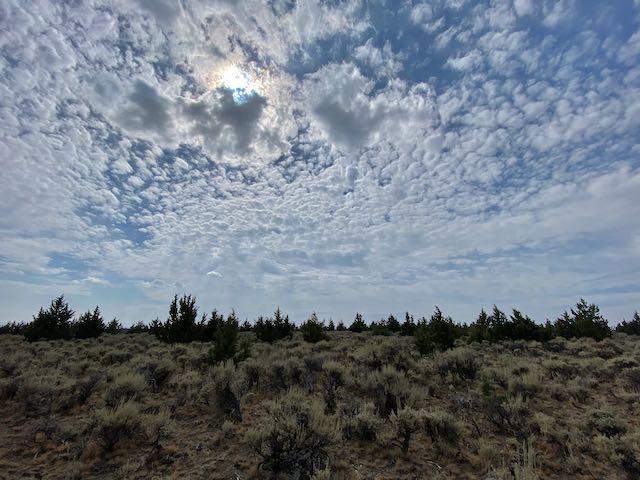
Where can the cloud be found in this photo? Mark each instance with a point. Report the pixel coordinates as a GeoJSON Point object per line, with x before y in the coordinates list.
{"type": "Point", "coordinates": [96, 281]}
{"type": "Point", "coordinates": [381, 61]}
{"type": "Point", "coordinates": [165, 11]}
{"type": "Point", "coordinates": [147, 111]}
{"type": "Point", "coordinates": [524, 7]}
{"type": "Point", "coordinates": [458, 153]}
{"type": "Point", "coordinates": [421, 13]}
{"type": "Point", "coordinates": [465, 63]}
{"type": "Point", "coordinates": [352, 114]}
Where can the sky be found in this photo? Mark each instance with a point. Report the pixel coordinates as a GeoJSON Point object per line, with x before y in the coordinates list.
{"type": "Point", "coordinates": [327, 156]}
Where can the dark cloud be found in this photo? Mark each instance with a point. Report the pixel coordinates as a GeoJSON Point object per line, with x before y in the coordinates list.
{"type": "Point", "coordinates": [148, 109]}
{"type": "Point", "coordinates": [209, 119]}
{"type": "Point", "coordinates": [351, 128]}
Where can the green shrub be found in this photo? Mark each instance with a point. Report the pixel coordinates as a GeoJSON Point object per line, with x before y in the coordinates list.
{"type": "Point", "coordinates": [460, 364]}
{"type": "Point", "coordinates": [391, 391]}
{"type": "Point", "coordinates": [313, 330]}
{"type": "Point", "coordinates": [507, 413]}
{"type": "Point", "coordinates": [441, 426]}
{"type": "Point", "coordinates": [159, 428]}
{"type": "Point", "coordinates": [229, 385]}
{"type": "Point", "coordinates": [605, 423]}
{"type": "Point", "coordinates": [111, 426]}
{"type": "Point", "coordinates": [39, 395]}
{"type": "Point", "coordinates": [116, 356]}
{"type": "Point", "coordinates": [156, 373]}
{"type": "Point", "coordinates": [85, 387]}
{"type": "Point", "coordinates": [314, 362]}
{"type": "Point", "coordinates": [125, 387]}
{"type": "Point", "coordinates": [333, 378]}
{"type": "Point", "coordinates": [406, 422]}
{"type": "Point", "coordinates": [290, 372]}
{"type": "Point", "coordinates": [294, 437]}
{"type": "Point", "coordinates": [254, 370]}
{"type": "Point", "coordinates": [359, 420]}
{"type": "Point", "coordinates": [633, 376]}
{"type": "Point", "coordinates": [9, 388]}
{"type": "Point", "coordinates": [526, 387]}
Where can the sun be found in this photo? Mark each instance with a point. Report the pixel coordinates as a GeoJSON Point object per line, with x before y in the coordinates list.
{"type": "Point", "coordinates": [233, 78]}
{"type": "Point", "coordinates": [239, 81]}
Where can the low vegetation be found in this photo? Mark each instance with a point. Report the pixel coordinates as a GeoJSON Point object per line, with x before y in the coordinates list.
{"type": "Point", "coordinates": [202, 396]}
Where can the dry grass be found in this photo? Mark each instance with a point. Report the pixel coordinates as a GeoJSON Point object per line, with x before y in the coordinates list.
{"type": "Point", "coordinates": [353, 406]}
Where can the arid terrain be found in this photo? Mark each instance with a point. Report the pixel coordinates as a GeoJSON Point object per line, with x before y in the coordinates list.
{"type": "Point", "coordinates": [363, 406]}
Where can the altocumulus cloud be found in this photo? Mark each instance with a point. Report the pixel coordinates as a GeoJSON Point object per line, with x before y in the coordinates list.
{"type": "Point", "coordinates": [368, 156]}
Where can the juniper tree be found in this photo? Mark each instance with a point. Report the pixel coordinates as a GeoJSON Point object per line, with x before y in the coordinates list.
{"type": "Point", "coordinates": [273, 329]}
{"type": "Point", "coordinates": [358, 324]}
{"type": "Point", "coordinates": [408, 326]}
{"type": "Point", "coordinates": [379, 328]}
{"type": "Point", "coordinates": [284, 328]}
{"type": "Point", "coordinates": [439, 333]}
{"type": "Point", "coordinates": [498, 325]}
{"type": "Point", "coordinates": [207, 327]}
{"type": "Point", "coordinates": [50, 324]}
{"type": "Point", "coordinates": [113, 327]}
{"type": "Point", "coordinates": [138, 327]}
{"type": "Point", "coordinates": [312, 329]}
{"type": "Point", "coordinates": [89, 325]}
{"type": "Point", "coordinates": [180, 327]}
{"type": "Point", "coordinates": [521, 327]}
{"type": "Point", "coordinates": [630, 328]}
{"type": "Point", "coordinates": [393, 324]}
{"type": "Point", "coordinates": [226, 338]}
{"type": "Point", "coordinates": [12, 328]}
{"type": "Point", "coordinates": [584, 321]}
{"type": "Point", "coordinates": [479, 330]}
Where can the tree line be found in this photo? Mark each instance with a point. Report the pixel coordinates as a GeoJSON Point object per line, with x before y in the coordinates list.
{"type": "Point", "coordinates": [184, 324]}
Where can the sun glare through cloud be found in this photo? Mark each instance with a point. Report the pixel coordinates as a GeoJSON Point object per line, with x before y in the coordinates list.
{"type": "Point", "coordinates": [239, 81]}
